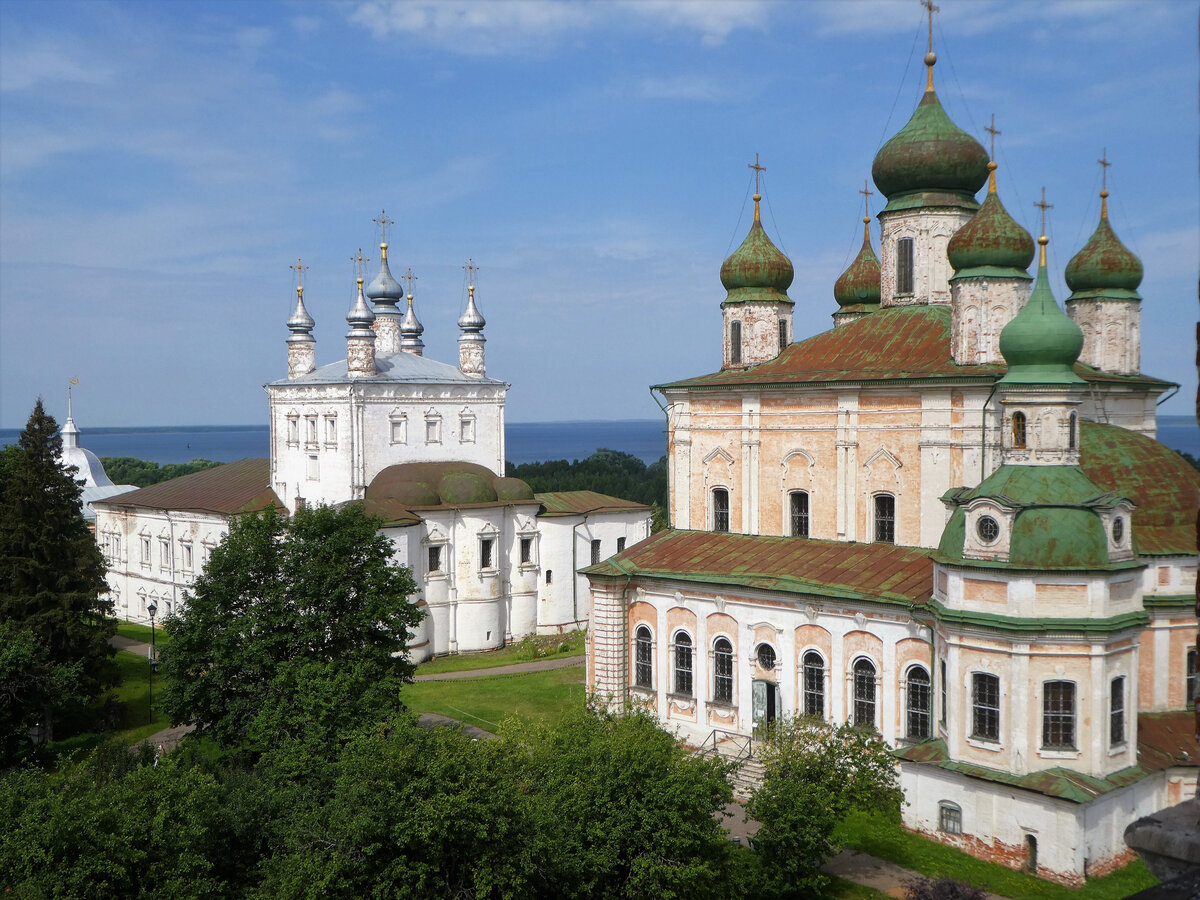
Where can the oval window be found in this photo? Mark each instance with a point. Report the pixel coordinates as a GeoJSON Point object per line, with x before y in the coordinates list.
{"type": "Point", "coordinates": [1118, 530]}
{"type": "Point", "coordinates": [987, 528]}
{"type": "Point", "coordinates": [766, 656]}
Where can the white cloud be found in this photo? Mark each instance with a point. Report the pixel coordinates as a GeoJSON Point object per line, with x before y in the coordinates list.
{"type": "Point", "coordinates": [684, 87]}
{"type": "Point", "coordinates": [32, 66]}
{"type": "Point", "coordinates": [714, 20]}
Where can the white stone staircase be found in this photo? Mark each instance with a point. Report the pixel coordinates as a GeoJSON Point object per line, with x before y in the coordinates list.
{"type": "Point", "coordinates": [737, 749]}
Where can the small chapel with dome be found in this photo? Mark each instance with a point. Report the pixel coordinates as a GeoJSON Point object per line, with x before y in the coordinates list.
{"type": "Point", "coordinates": [946, 519]}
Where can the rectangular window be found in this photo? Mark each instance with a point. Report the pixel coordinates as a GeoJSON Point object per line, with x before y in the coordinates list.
{"type": "Point", "coordinates": [1116, 734]}
{"type": "Point", "coordinates": [466, 430]}
{"type": "Point", "coordinates": [164, 553]}
{"type": "Point", "coordinates": [435, 558]}
{"type": "Point", "coordinates": [885, 519]}
{"type": "Point", "coordinates": [799, 504]}
{"type": "Point", "coordinates": [945, 692]}
{"type": "Point", "coordinates": [399, 430]}
{"type": "Point", "coordinates": [735, 343]}
{"type": "Point", "coordinates": [720, 501]}
{"type": "Point", "coordinates": [620, 545]}
{"type": "Point", "coordinates": [311, 429]}
{"type": "Point", "coordinates": [1193, 676]}
{"type": "Point", "coordinates": [116, 548]}
{"type": "Point", "coordinates": [433, 431]}
{"type": "Point", "coordinates": [950, 818]}
{"type": "Point", "coordinates": [485, 553]}
{"type": "Point", "coordinates": [293, 430]}
{"type": "Point", "coordinates": [145, 551]}
{"type": "Point", "coordinates": [904, 266]}
{"type": "Point", "coordinates": [783, 334]}
{"type": "Point", "coordinates": [595, 552]}
{"type": "Point", "coordinates": [526, 550]}
{"type": "Point", "coordinates": [186, 546]}
{"type": "Point", "coordinates": [985, 707]}
{"type": "Point", "coordinates": [1058, 715]}
{"type": "Point", "coordinates": [331, 430]}
{"type": "Point", "coordinates": [314, 468]}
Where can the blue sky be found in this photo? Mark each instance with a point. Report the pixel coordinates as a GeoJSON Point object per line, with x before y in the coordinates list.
{"type": "Point", "coordinates": [162, 165]}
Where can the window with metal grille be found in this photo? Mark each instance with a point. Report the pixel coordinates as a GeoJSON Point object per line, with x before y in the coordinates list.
{"type": "Point", "coordinates": [783, 334]}
{"type": "Point", "coordinates": [1018, 430]}
{"type": "Point", "coordinates": [683, 664]}
{"type": "Point", "coordinates": [720, 503]}
{"type": "Point", "coordinates": [435, 559]}
{"type": "Point", "coordinates": [985, 707]}
{"type": "Point", "coordinates": [799, 504]}
{"type": "Point", "coordinates": [1193, 676]}
{"type": "Point", "coordinates": [1116, 729]}
{"type": "Point", "coordinates": [485, 553]}
{"type": "Point", "coordinates": [919, 714]}
{"type": "Point", "coordinates": [526, 550]}
{"type": "Point", "coordinates": [766, 656]}
{"type": "Point", "coordinates": [885, 519]}
{"type": "Point", "coordinates": [1071, 430]}
{"type": "Point", "coordinates": [945, 691]}
{"type": "Point", "coordinates": [620, 545]}
{"type": "Point", "coordinates": [643, 655]}
{"type": "Point", "coordinates": [1058, 715]}
{"type": "Point", "coordinates": [814, 684]}
{"type": "Point", "coordinates": [595, 552]}
{"type": "Point", "coordinates": [722, 671]}
{"type": "Point", "coordinates": [904, 266]}
{"type": "Point", "coordinates": [735, 343]}
{"type": "Point", "coordinates": [949, 818]}
{"type": "Point", "coordinates": [864, 694]}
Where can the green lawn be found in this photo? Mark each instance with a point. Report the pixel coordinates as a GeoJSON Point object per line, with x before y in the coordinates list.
{"type": "Point", "coordinates": [550, 646]}
{"type": "Point", "coordinates": [485, 701]}
{"type": "Point", "coordinates": [136, 632]}
{"type": "Point", "coordinates": [888, 840]}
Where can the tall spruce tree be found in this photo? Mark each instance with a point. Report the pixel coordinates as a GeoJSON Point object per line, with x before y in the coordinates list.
{"type": "Point", "coordinates": [51, 572]}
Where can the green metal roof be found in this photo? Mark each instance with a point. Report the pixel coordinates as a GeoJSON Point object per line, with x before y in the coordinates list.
{"type": "Point", "coordinates": [578, 503]}
{"type": "Point", "coordinates": [991, 244]}
{"type": "Point", "coordinates": [1041, 344]}
{"type": "Point", "coordinates": [1104, 268]}
{"type": "Point", "coordinates": [757, 271]}
{"type": "Point", "coordinates": [860, 283]}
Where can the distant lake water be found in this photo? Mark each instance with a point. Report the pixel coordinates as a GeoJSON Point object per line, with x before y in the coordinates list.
{"type": "Point", "coordinates": [526, 441]}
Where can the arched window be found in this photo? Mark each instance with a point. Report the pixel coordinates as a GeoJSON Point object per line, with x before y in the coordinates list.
{"type": "Point", "coordinates": [735, 343]}
{"type": "Point", "coordinates": [814, 684]}
{"type": "Point", "coordinates": [683, 664]}
{"type": "Point", "coordinates": [1058, 715]}
{"type": "Point", "coordinates": [799, 507]}
{"type": "Point", "coordinates": [643, 657]}
{"type": "Point", "coordinates": [949, 817]}
{"type": "Point", "coordinates": [864, 693]}
{"type": "Point", "coordinates": [919, 714]}
{"type": "Point", "coordinates": [885, 519]}
{"type": "Point", "coordinates": [1116, 731]}
{"type": "Point", "coordinates": [1192, 672]}
{"type": "Point", "coordinates": [1072, 427]}
{"type": "Point", "coordinates": [722, 671]}
{"type": "Point", "coordinates": [720, 504]}
{"type": "Point", "coordinates": [549, 576]}
{"type": "Point", "coordinates": [904, 266]}
{"type": "Point", "coordinates": [1018, 430]}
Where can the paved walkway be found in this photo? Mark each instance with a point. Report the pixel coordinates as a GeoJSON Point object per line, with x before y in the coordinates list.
{"type": "Point", "coordinates": [540, 665]}
{"type": "Point", "coordinates": [129, 644]}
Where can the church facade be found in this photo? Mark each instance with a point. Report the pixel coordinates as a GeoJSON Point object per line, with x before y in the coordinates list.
{"type": "Point", "coordinates": [946, 519]}
{"type": "Point", "coordinates": [420, 444]}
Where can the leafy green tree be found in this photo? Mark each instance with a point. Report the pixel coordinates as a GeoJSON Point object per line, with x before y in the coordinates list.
{"type": "Point", "coordinates": [51, 572]}
{"type": "Point", "coordinates": [815, 774]}
{"type": "Point", "coordinates": [130, 470]}
{"type": "Point", "coordinates": [296, 633]}
{"type": "Point", "coordinates": [620, 809]}
{"type": "Point", "coordinates": [30, 682]}
{"type": "Point", "coordinates": [606, 471]}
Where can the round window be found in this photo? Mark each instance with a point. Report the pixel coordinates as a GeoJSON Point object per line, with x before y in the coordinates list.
{"type": "Point", "coordinates": [987, 528]}
{"type": "Point", "coordinates": [766, 656]}
{"type": "Point", "coordinates": [1118, 530]}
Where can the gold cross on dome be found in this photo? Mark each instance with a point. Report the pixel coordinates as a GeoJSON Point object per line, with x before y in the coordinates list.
{"type": "Point", "coordinates": [470, 268]}
{"type": "Point", "coordinates": [358, 261]}
{"type": "Point", "coordinates": [383, 222]}
{"type": "Point", "coordinates": [993, 131]}
{"type": "Point", "coordinates": [757, 171]}
{"type": "Point", "coordinates": [299, 268]}
{"type": "Point", "coordinates": [1104, 164]}
{"type": "Point", "coordinates": [409, 277]}
{"type": "Point", "coordinates": [931, 9]}
{"type": "Point", "coordinates": [1043, 206]}
{"type": "Point", "coordinates": [867, 194]}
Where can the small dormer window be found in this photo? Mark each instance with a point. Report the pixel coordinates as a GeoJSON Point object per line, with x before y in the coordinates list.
{"type": "Point", "coordinates": [1118, 530]}
{"type": "Point", "coordinates": [904, 266]}
{"type": "Point", "coordinates": [1018, 430]}
{"type": "Point", "coordinates": [987, 528]}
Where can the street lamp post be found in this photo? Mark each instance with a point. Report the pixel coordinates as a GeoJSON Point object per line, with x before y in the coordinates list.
{"type": "Point", "coordinates": [152, 609]}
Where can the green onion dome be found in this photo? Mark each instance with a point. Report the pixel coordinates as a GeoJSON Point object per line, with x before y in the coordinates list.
{"type": "Point", "coordinates": [992, 243]}
{"type": "Point", "coordinates": [860, 282]}
{"type": "Point", "coordinates": [757, 270]}
{"type": "Point", "coordinates": [1041, 343]}
{"type": "Point", "coordinates": [1104, 268]}
{"type": "Point", "coordinates": [930, 158]}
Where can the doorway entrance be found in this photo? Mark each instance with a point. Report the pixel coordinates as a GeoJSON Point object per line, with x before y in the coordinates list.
{"type": "Point", "coordinates": [765, 702]}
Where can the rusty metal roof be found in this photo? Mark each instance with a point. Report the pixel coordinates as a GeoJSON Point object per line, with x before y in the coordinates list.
{"type": "Point", "coordinates": [577, 503]}
{"type": "Point", "coordinates": [242, 486]}
{"type": "Point", "coordinates": [896, 344]}
{"type": "Point", "coordinates": [1167, 739]}
{"type": "Point", "coordinates": [845, 570]}
{"type": "Point", "coordinates": [1162, 484]}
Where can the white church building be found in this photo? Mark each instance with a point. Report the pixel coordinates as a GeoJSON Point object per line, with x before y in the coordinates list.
{"type": "Point", "coordinates": [945, 519]}
{"type": "Point", "coordinates": [421, 444]}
